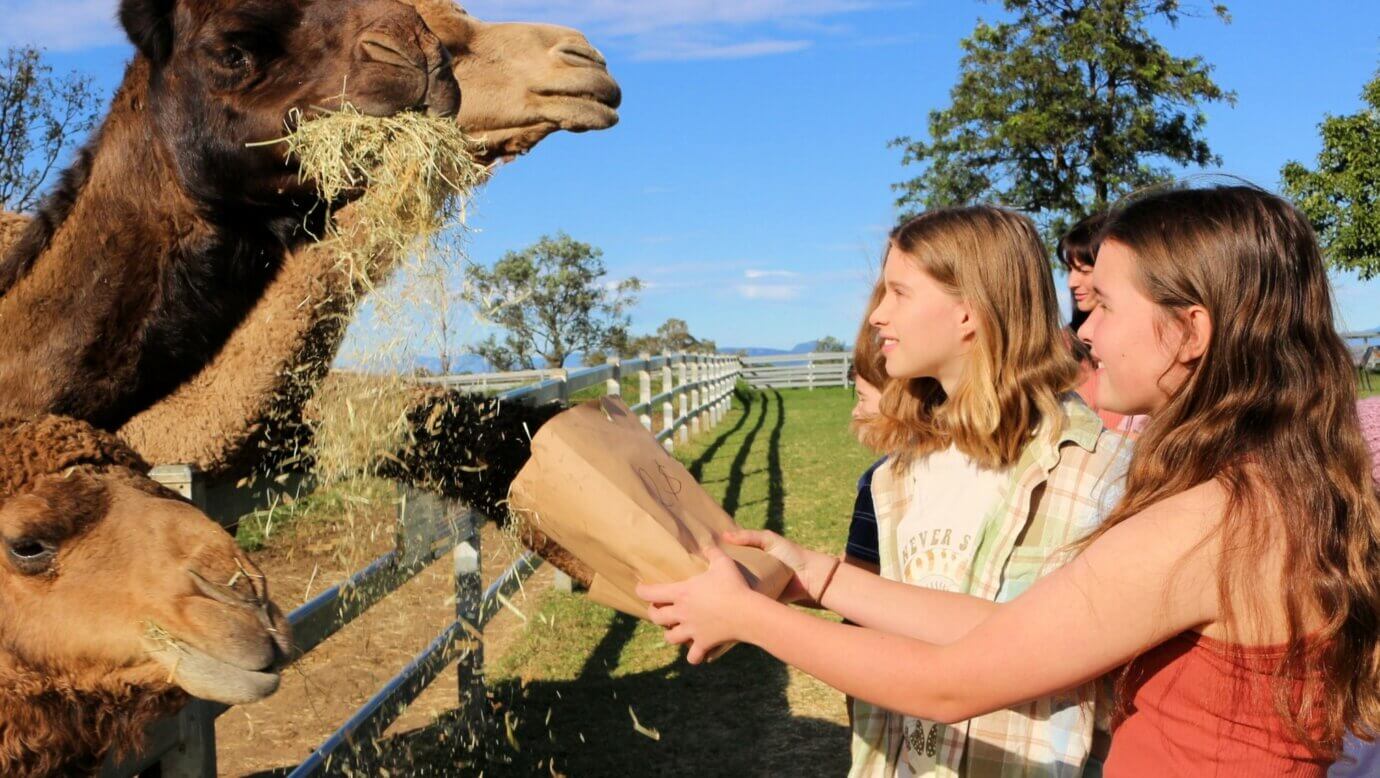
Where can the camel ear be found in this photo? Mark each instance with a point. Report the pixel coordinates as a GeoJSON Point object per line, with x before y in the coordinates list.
{"type": "Point", "coordinates": [149, 25]}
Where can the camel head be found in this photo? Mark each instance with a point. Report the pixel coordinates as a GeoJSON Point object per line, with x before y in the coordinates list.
{"type": "Point", "coordinates": [522, 82]}
{"type": "Point", "coordinates": [223, 74]}
{"type": "Point", "coordinates": [117, 598]}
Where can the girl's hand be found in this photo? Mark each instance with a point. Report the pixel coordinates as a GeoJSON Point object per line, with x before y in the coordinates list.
{"type": "Point", "coordinates": [705, 611]}
{"type": "Point", "coordinates": [811, 568]}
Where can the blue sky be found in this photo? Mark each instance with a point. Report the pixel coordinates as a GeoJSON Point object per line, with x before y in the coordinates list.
{"type": "Point", "coordinates": [749, 181]}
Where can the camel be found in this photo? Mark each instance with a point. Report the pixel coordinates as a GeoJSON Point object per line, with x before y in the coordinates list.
{"type": "Point", "coordinates": [522, 82]}
{"type": "Point", "coordinates": [169, 226]}
{"type": "Point", "coordinates": [118, 599]}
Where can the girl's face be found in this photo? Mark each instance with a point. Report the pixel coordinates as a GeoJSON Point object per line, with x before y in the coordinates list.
{"type": "Point", "coordinates": [926, 331]}
{"type": "Point", "coordinates": [1142, 364]}
{"type": "Point", "coordinates": [869, 400]}
{"type": "Point", "coordinates": [1081, 287]}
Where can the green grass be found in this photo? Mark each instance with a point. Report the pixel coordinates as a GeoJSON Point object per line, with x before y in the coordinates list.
{"type": "Point", "coordinates": [562, 692]}
{"type": "Point", "coordinates": [1370, 388]}
{"type": "Point", "coordinates": [328, 507]}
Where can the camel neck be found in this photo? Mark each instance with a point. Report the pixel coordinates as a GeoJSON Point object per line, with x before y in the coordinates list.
{"type": "Point", "coordinates": [135, 286]}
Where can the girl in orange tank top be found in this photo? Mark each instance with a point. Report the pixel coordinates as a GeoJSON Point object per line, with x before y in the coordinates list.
{"type": "Point", "coordinates": [1199, 707]}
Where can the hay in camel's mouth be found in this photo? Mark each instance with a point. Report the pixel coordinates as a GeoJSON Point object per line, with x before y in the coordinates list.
{"type": "Point", "coordinates": [416, 172]}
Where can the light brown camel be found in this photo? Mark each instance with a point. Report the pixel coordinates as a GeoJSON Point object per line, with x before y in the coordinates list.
{"type": "Point", "coordinates": [169, 226]}
{"type": "Point", "coordinates": [117, 600]}
{"type": "Point", "coordinates": [521, 83]}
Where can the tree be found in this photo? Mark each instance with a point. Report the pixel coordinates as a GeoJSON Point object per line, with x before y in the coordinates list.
{"type": "Point", "coordinates": [40, 116]}
{"type": "Point", "coordinates": [552, 300]}
{"type": "Point", "coordinates": [1060, 111]}
{"type": "Point", "coordinates": [672, 337]}
{"type": "Point", "coordinates": [1342, 196]}
{"type": "Point", "coordinates": [829, 344]}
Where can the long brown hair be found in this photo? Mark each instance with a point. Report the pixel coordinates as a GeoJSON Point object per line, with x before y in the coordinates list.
{"type": "Point", "coordinates": [1269, 412]}
{"type": "Point", "coordinates": [869, 364]}
{"type": "Point", "coordinates": [1021, 363]}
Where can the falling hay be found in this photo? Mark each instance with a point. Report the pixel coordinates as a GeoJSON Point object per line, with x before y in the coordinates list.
{"type": "Point", "coordinates": [641, 729]}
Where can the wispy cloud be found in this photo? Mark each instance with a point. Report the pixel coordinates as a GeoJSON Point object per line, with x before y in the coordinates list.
{"type": "Point", "coordinates": [60, 25]}
{"type": "Point", "coordinates": [770, 292]}
{"type": "Point", "coordinates": [665, 30]}
{"type": "Point", "coordinates": [681, 50]}
{"type": "Point", "coordinates": [670, 30]}
{"type": "Point", "coordinates": [769, 274]}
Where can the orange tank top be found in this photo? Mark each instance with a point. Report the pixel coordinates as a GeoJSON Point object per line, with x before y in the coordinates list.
{"type": "Point", "coordinates": [1198, 707]}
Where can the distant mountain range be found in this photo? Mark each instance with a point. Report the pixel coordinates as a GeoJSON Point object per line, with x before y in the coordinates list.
{"type": "Point", "coordinates": [473, 363]}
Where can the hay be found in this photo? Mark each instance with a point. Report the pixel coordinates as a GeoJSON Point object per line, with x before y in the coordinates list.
{"type": "Point", "coordinates": [415, 172]}
{"type": "Point", "coordinates": [407, 178]}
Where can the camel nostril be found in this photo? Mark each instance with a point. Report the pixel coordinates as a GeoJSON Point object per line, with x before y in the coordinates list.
{"type": "Point", "coordinates": [580, 56]}
{"type": "Point", "coordinates": [386, 50]}
{"type": "Point", "coordinates": [232, 592]}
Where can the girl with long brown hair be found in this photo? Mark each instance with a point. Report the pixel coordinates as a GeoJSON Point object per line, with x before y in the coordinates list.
{"type": "Point", "coordinates": [1234, 591]}
{"type": "Point", "coordinates": [993, 465]}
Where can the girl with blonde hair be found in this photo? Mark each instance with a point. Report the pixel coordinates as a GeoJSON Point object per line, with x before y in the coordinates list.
{"type": "Point", "coordinates": [1234, 590]}
{"type": "Point", "coordinates": [993, 466]}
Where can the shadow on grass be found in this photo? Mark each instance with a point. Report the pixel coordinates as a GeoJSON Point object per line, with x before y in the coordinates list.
{"type": "Point", "coordinates": [776, 477]}
{"type": "Point", "coordinates": [727, 718]}
{"type": "Point", "coordinates": [696, 468]}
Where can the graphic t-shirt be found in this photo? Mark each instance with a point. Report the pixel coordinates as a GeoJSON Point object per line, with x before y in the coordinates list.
{"type": "Point", "coordinates": [937, 539]}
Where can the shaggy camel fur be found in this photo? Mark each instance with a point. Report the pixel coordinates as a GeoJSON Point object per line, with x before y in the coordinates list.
{"type": "Point", "coordinates": [521, 82]}
{"type": "Point", "coordinates": [117, 599]}
{"type": "Point", "coordinates": [166, 231]}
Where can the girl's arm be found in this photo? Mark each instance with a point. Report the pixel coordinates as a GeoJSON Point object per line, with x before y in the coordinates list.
{"type": "Point", "coordinates": [867, 599]}
{"type": "Point", "coordinates": [1149, 578]}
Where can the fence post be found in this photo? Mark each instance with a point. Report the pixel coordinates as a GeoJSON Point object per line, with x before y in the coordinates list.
{"type": "Point", "coordinates": [668, 411]}
{"type": "Point", "coordinates": [711, 392]}
{"type": "Point", "coordinates": [716, 370]}
{"type": "Point", "coordinates": [563, 376]}
{"type": "Point", "coordinates": [644, 390]}
{"type": "Point", "coordinates": [614, 386]}
{"type": "Point", "coordinates": [469, 599]}
{"type": "Point", "coordinates": [195, 755]}
{"type": "Point", "coordinates": [726, 401]}
{"type": "Point", "coordinates": [684, 370]}
{"type": "Point", "coordinates": [695, 395]}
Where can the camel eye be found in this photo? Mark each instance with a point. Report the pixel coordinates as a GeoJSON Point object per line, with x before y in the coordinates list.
{"type": "Point", "coordinates": [31, 555]}
{"type": "Point", "coordinates": [234, 58]}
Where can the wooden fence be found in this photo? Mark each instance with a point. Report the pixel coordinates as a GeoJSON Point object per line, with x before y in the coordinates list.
{"type": "Point", "coordinates": [789, 371]}
{"type": "Point", "coordinates": [428, 528]}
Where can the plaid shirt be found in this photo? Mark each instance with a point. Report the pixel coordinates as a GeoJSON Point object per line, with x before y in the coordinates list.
{"type": "Point", "coordinates": [1020, 540]}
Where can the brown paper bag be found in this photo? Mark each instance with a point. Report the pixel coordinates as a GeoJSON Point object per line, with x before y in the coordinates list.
{"type": "Point", "coordinates": [603, 488]}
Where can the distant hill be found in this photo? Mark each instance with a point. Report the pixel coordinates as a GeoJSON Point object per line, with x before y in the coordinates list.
{"type": "Point", "coordinates": [758, 351]}
{"type": "Point", "coordinates": [473, 363]}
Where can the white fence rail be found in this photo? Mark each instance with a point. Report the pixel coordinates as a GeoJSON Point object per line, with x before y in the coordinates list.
{"type": "Point", "coordinates": [789, 371]}
{"type": "Point", "coordinates": [428, 528]}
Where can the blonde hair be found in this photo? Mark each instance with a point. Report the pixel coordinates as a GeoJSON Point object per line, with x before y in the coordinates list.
{"type": "Point", "coordinates": [1021, 364]}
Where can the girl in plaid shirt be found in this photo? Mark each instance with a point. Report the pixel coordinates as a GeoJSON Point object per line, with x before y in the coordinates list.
{"type": "Point", "coordinates": [980, 424]}
{"type": "Point", "coordinates": [1234, 589]}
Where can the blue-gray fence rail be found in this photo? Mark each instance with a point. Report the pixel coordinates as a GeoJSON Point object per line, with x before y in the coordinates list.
{"type": "Point", "coordinates": [428, 528]}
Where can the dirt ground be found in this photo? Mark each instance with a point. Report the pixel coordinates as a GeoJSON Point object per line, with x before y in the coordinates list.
{"type": "Point", "coordinates": [323, 688]}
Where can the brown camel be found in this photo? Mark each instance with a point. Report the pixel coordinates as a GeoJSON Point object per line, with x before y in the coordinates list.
{"type": "Point", "coordinates": [117, 600]}
{"type": "Point", "coordinates": [521, 82]}
{"type": "Point", "coordinates": [166, 231]}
